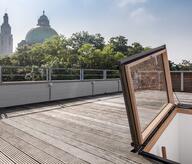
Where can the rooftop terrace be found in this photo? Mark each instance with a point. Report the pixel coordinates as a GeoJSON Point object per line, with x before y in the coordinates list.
{"type": "Point", "coordinates": [88, 130]}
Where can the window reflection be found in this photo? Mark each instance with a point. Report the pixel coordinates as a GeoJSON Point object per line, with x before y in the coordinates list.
{"type": "Point", "coordinates": [150, 89]}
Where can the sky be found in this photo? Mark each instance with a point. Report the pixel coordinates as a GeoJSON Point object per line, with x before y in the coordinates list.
{"type": "Point", "coordinates": [149, 22]}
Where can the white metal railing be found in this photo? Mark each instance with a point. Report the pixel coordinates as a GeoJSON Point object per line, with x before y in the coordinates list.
{"type": "Point", "coordinates": [19, 73]}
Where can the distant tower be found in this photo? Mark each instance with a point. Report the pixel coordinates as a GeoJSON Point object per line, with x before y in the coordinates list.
{"type": "Point", "coordinates": [6, 38]}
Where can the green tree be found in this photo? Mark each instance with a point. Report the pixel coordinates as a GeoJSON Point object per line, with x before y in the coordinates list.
{"type": "Point", "coordinates": [173, 66]}
{"type": "Point", "coordinates": [185, 65]}
{"type": "Point", "coordinates": [5, 61]}
{"type": "Point", "coordinates": [135, 48]}
{"type": "Point", "coordinates": [119, 44]}
{"type": "Point", "coordinates": [81, 38]}
{"type": "Point", "coordinates": [111, 57]}
{"type": "Point", "coordinates": [22, 56]}
{"type": "Point", "coordinates": [29, 55]}
{"type": "Point", "coordinates": [86, 55]}
{"type": "Point", "coordinates": [90, 57]}
{"type": "Point", "coordinates": [82, 50]}
{"type": "Point", "coordinates": [58, 53]}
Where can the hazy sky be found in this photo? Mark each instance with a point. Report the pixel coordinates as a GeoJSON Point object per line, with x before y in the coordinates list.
{"type": "Point", "coordinates": [150, 22]}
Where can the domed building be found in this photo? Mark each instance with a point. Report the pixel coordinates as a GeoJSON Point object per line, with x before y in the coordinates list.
{"type": "Point", "coordinates": [40, 33]}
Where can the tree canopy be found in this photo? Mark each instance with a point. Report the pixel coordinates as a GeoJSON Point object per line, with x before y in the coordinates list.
{"type": "Point", "coordinates": [119, 44]}
{"type": "Point", "coordinates": [80, 38]}
{"type": "Point", "coordinates": [81, 50]}
{"type": "Point", "coordinates": [185, 65]}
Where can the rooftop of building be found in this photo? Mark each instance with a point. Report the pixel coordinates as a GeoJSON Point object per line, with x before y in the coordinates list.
{"type": "Point", "coordinates": [84, 130]}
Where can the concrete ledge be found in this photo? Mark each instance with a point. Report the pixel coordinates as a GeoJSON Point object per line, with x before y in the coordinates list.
{"type": "Point", "coordinates": [22, 93]}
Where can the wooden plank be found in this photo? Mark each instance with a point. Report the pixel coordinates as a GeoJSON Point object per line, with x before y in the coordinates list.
{"type": "Point", "coordinates": [79, 129]}
{"type": "Point", "coordinates": [168, 77]}
{"type": "Point", "coordinates": [83, 142]}
{"type": "Point", "coordinates": [86, 131]}
{"type": "Point", "coordinates": [111, 111]}
{"type": "Point", "coordinates": [101, 126]}
{"type": "Point", "coordinates": [15, 154]}
{"type": "Point", "coordinates": [164, 152]}
{"type": "Point", "coordinates": [71, 146]}
{"type": "Point", "coordinates": [94, 140]}
{"type": "Point", "coordinates": [29, 149]}
{"type": "Point", "coordinates": [135, 115]}
{"type": "Point", "coordinates": [82, 111]}
{"type": "Point", "coordinates": [4, 159]}
{"type": "Point", "coordinates": [99, 112]}
{"type": "Point", "coordinates": [147, 58]}
{"type": "Point", "coordinates": [184, 111]}
{"type": "Point", "coordinates": [103, 123]}
{"type": "Point", "coordinates": [44, 146]}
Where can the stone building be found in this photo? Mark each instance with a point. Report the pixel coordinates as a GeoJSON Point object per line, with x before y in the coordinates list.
{"type": "Point", "coordinates": [6, 38]}
{"type": "Point", "coordinates": [40, 33]}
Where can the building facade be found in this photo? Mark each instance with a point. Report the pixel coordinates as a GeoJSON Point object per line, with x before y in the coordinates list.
{"type": "Point", "coordinates": [6, 38]}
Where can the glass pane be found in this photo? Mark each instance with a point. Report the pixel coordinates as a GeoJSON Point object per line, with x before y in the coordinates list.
{"type": "Point", "coordinates": [150, 89]}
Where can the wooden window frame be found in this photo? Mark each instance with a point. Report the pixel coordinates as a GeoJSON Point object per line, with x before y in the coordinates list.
{"type": "Point", "coordinates": [138, 136]}
{"type": "Point", "coordinates": [157, 135]}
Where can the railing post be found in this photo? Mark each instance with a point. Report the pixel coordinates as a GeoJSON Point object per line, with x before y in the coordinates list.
{"type": "Point", "coordinates": [81, 74]}
{"type": "Point", "coordinates": [93, 88]}
{"type": "Point", "coordinates": [119, 85]}
{"type": "Point", "coordinates": [104, 74]}
{"type": "Point", "coordinates": [47, 74]}
{"type": "Point", "coordinates": [1, 74]}
{"type": "Point", "coordinates": [33, 79]}
{"type": "Point", "coordinates": [49, 79]}
{"type": "Point", "coordinates": [50, 73]}
{"type": "Point", "coordinates": [182, 82]}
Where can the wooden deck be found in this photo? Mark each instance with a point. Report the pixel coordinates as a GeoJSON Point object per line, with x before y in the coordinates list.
{"type": "Point", "coordinates": [81, 131]}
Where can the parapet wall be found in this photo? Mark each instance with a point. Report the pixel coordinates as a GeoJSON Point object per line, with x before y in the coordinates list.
{"type": "Point", "coordinates": [21, 93]}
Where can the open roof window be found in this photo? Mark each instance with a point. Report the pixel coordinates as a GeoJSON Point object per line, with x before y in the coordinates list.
{"type": "Point", "coordinates": [147, 89]}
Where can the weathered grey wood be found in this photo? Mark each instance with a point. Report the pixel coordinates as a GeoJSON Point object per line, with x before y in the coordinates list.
{"type": "Point", "coordinates": [4, 159]}
{"type": "Point", "coordinates": [95, 115]}
{"type": "Point", "coordinates": [76, 128]}
{"type": "Point", "coordinates": [29, 149]}
{"type": "Point", "coordinates": [77, 131]}
{"type": "Point", "coordinates": [94, 140]}
{"type": "Point", "coordinates": [101, 123]}
{"type": "Point", "coordinates": [16, 155]}
{"type": "Point", "coordinates": [44, 146]}
{"type": "Point", "coordinates": [124, 132]}
{"type": "Point", "coordinates": [66, 144]}
{"type": "Point", "coordinates": [82, 145]}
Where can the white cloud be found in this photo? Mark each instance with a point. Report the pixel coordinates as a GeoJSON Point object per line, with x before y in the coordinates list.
{"type": "Point", "coordinates": [123, 3]}
{"type": "Point", "coordinates": [141, 15]}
